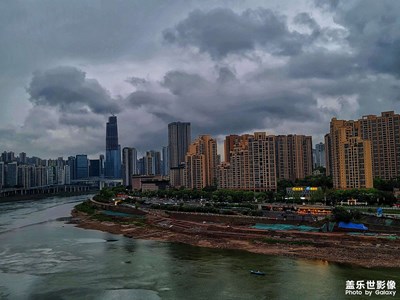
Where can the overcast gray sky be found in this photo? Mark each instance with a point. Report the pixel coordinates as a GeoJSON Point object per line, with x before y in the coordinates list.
{"type": "Point", "coordinates": [225, 66]}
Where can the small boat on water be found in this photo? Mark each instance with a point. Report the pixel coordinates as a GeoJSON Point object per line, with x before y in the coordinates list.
{"type": "Point", "coordinates": [257, 273]}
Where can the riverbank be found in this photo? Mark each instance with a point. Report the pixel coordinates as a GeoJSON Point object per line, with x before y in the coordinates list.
{"type": "Point", "coordinates": [365, 251]}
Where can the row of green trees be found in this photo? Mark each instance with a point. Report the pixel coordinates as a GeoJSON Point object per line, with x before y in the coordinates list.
{"type": "Point", "coordinates": [326, 194]}
{"type": "Point", "coordinates": [220, 195]}
{"type": "Point", "coordinates": [386, 185]}
{"type": "Point", "coordinates": [341, 214]}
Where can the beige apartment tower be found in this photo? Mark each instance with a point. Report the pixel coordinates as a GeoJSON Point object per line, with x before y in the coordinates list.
{"type": "Point", "coordinates": [357, 163]}
{"type": "Point", "coordinates": [294, 158]}
{"type": "Point", "coordinates": [240, 164]}
{"type": "Point", "coordinates": [229, 144]}
{"type": "Point", "coordinates": [201, 163]}
{"type": "Point", "coordinates": [257, 161]}
{"type": "Point", "coordinates": [262, 162]}
{"type": "Point", "coordinates": [224, 176]}
{"type": "Point", "coordinates": [347, 149]}
{"type": "Point", "coordinates": [384, 133]}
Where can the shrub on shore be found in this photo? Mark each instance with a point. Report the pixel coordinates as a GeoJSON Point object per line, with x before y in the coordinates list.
{"type": "Point", "coordinates": [85, 207]}
{"type": "Point", "coordinates": [340, 214]}
{"type": "Point", "coordinates": [103, 218]}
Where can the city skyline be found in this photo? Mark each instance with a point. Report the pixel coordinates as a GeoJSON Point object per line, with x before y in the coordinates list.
{"type": "Point", "coordinates": [224, 146]}
{"type": "Point", "coordinates": [142, 153]}
{"type": "Point", "coordinates": [358, 151]}
{"type": "Point", "coordinates": [280, 67]}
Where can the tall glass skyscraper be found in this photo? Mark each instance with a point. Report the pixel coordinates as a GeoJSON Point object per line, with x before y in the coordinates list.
{"type": "Point", "coordinates": [129, 164]}
{"type": "Point", "coordinates": [179, 138]}
{"type": "Point", "coordinates": [82, 166]}
{"type": "Point", "coordinates": [320, 155]}
{"type": "Point", "coordinates": [113, 150]}
{"type": "Point", "coordinates": [165, 161]}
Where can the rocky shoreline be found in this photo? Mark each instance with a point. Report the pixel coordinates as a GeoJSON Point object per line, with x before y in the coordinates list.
{"type": "Point", "coordinates": [368, 252]}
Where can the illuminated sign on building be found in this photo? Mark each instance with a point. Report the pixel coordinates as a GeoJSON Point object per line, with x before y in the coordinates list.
{"type": "Point", "coordinates": [300, 188]}
{"type": "Point", "coordinates": [305, 191]}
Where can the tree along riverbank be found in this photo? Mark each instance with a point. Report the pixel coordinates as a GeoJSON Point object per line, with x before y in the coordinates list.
{"type": "Point", "coordinates": [365, 251]}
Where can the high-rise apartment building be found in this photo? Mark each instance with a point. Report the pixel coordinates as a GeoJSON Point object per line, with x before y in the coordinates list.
{"type": "Point", "coordinates": [357, 160]}
{"type": "Point", "coordinates": [328, 154]}
{"type": "Point", "coordinates": [224, 176]}
{"type": "Point", "coordinates": [67, 174]}
{"type": "Point", "coordinates": [201, 163]}
{"type": "Point", "coordinates": [253, 161]}
{"type": "Point", "coordinates": [51, 175]}
{"type": "Point", "coordinates": [179, 138]}
{"type": "Point", "coordinates": [165, 161]}
{"type": "Point", "coordinates": [26, 176]}
{"type": "Point", "coordinates": [22, 158]}
{"type": "Point", "coordinates": [229, 143]}
{"type": "Point", "coordinates": [94, 168]}
{"type": "Point", "coordinates": [320, 160]}
{"type": "Point", "coordinates": [101, 158]}
{"type": "Point", "coordinates": [60, 175]}
{"type": "Point", "coordinates": [176, 176]}
{"type": "Point", "coordinates": [384, 133]}
{"type": "Point", "coordinates": [240, 165]}
{"type": "Point", "coordinates": [129, 164]}
{"type": "Point", "coordinates": [113, 150]}
{"type": "Point", "coordinates": [294, 157]}
{"type": "Point", "coordinates": [1, 174]}
{"type": "Point", "coordinates": [41, 176]}
{"type": "Point", "coordinates": [82, 166]}
{"type": "Point", "coordinates": [152, 163]}
{"type": "Point", "coordinates": [72, 167]}
{"type": "Point", "coordinates": [11, 176]}
{"type": "Point", "coordinates": [7, 157]}
{"type": "Point", "coordinates": [140, 166]}
{"type": "Point", "coordinates": [262, 161]}
{"type": "Point", "coordinates": [341, 159]}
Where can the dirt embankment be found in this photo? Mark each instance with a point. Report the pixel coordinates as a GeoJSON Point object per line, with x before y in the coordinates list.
{"type": "Point", "coordinates": [364, 251]}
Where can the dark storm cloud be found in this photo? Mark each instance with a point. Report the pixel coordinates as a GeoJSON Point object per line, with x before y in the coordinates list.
{"type": "Point", "coordinates": [81, 120]}
{"type": "Point", "coordinates": [226, 76]}
{"type": "Point", "coordinates": [322, 64]}
{"type": "Point", "coordinates": [142, 98]}
{"type": "Point", "coordinates": [136, 81]}
{"type": "Point", "coordinates": [93, 30]}
{"type": "Point", "coordinates": [69, 89]}
{"type": "Point", "coordinates": [327, 5]}
{"type": "Point", "coordinates": [46, 133]}
{"type": "Point", "coordinates": [373, 32]}
{"type": "Point", "coordinates": [185, 84]}
{"type": "Point", "coordinates": [221, 31]}
{"type": "Point", "coordinates": [305, 19]}
{"type": "Point", "coordinates": [224, 105]}
{"type": "Point", "coordinates": [227, 69]}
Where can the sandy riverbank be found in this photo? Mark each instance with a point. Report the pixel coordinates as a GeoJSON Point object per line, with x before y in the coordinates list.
{"type": "Point", "coordinates": [363, 251]}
